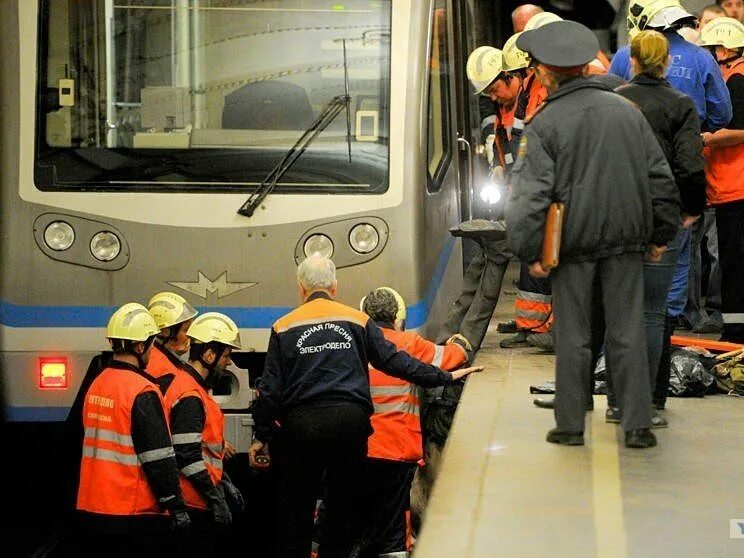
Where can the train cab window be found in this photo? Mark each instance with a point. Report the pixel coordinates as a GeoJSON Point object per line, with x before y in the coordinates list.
{"type": "Point", "coordinates": [438, 129]}
{"type": "Point", "coordinates": [195, 95]}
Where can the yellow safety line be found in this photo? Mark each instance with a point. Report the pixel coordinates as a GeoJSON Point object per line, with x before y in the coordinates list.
{"type": "Point", "coordinates": [609, 520]}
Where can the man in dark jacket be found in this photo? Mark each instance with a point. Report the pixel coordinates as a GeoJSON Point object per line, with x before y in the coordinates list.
{"type": "Point", "coordinates": [316, 385]}
{"type": "Point", "coordinates": [595, 153]}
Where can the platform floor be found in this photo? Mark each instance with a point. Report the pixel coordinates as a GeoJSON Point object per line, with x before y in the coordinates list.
{"type": "Point", "coordinates": [505, 492]}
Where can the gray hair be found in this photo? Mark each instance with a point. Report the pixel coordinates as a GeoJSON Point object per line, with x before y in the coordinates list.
{"type": "Point", "coordinates": [381, 306]}
{"type": "Point", "coordinates": [316, 272]}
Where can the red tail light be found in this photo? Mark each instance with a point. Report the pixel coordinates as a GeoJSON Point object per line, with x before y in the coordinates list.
{"type": "Point", "coordinates": [53, 373]}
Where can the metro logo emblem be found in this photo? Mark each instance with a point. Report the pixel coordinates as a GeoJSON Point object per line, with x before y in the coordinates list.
{"type": "Point", "coordinates": [204, 286]}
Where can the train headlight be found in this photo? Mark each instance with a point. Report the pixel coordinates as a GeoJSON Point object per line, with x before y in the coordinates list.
{"type": "Point", "coordinates": [59, 235]}
{"type": "Point", "coordinates": [318, 244]}
{"type": "Point", "coordinates": [364, 238]}
{"type": "Point", "coordinates": [105, 246]}
{"type": "Point", "coordinates": [491, 193]}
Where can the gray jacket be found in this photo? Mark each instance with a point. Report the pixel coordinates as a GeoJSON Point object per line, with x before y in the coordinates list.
{"type": "Point", "coordinates": [595, 152]}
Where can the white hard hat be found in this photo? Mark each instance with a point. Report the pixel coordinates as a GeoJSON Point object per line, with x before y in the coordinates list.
{"type": "Point", "coordinates": [724, 31]}
{"type": "Point", "coordinates": [514, 57]}
{"type": "Point", "coordinates": [538, 20]}
{"type": "Point", "coordinates": [655, 14]}
{"type": "Point", "coordinates": [484, 65]}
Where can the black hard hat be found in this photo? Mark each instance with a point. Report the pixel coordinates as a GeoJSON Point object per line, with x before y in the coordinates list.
{"type": "Point", "coordinates": [563, 44]}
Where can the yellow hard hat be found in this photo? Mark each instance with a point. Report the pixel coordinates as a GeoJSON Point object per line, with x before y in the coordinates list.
{"type": "Point", "coordinates": [132, 322]}
{"type": "Point", "coordinates": [538, 20]}
{"type": "Point", "coordinates": [484, 65]}
{"type": "Point", "coordinates": [170, 309]}
{"type": "Point", "coordinates": [215, 327]}
{"type": "Point", "coordinates": [514, 58]}
{"type": "Point", "coordinates": [723, 31]}
{"type": "Point", "coordinates": [656, 14]}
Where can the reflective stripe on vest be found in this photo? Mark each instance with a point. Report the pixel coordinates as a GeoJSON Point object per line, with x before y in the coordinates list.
{"type": "Point", "coordinates": [533, 311]}
{"type": "Point", "coordinates": [112, 480]}
{"type": "Point", "coordinates": [395, 421]}
{"type": "Point", "coordinates": [211, 437]}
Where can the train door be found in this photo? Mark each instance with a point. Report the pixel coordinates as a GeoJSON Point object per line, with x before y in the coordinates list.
{"type": "Point", "coordinates": [466, 19]}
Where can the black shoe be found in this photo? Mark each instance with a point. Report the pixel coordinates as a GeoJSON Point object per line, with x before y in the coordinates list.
{"type": "Point", "coordinates": [640, 438]}
{"type": "Point", "coordinates": [543, 341]}
{"type": "Point", "coordinates": [518, 340]}
{"type": "Point", "coordinates": [507, 327]}
{"type": "Point", "coordinates": [613, 415]}
{"type": "Point", "coordinates": [544, 403]}
{"type": "Point", "coordinates": [556, 436]}
{"type": "Point", "coordinates": [550, 404]}
{"type": "Point", "coordinates": [657, 421]}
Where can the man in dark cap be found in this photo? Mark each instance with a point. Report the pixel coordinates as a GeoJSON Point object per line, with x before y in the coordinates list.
{"type": "Point", "coordinates": [594, 152]}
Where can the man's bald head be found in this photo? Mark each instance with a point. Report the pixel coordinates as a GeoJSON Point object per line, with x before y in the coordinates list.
{"type": "Point", "coordinates": [522, 15]}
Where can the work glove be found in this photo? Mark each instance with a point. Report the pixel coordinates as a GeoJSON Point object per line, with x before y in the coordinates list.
{"type": "Point", "coordinates": [180, 521]}
{"type": "Point", "coordinates": [459, 339]}
{"type": "Point", "coordinates": [220, 513]}
{"type": "Point", "coordinates": [233, 496]}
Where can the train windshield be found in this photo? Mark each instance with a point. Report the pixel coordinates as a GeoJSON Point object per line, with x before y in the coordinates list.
{"type": "Point", "coordinates": [195, 95]}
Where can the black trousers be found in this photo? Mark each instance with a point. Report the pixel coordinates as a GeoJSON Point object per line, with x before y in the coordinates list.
{"type": "Point", "coordinates": [95, 536]}
{"type": "Point", "coordinates": [730, 222]}
{"type": "Point", "coordinates": [471, 312]}
{"type": "Point", "coordinates": [315, 440]}
{"type": "Point", "coordinates": [387, 505]}
{"type": "Point", "coordinates": [200, 541]}
{"type": "Point", "coordinates": [614, 287]}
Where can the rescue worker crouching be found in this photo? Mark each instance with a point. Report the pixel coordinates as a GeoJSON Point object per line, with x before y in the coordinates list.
{"type": "Point", "coordinates": [197, 424]}
{"type": "Point", "coordinates": [129, 496]}
{"type": "Point", "coordinates": [485, 70]}
{"type": "Point", "coordinates": [395, 448]}
{"type": "Point", "coordinates": [174, 315]}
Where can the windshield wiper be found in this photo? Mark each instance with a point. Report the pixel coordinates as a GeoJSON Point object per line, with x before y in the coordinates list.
{"type": "Point", "coordinates": [331, 110]}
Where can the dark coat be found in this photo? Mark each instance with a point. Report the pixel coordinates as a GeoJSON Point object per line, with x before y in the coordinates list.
{"type": "Point", "coordinates": [594, 151]}
{"type": "Point", "coordinates": [674, 120]}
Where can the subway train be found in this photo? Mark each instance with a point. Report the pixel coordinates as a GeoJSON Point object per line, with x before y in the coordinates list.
{"type": "Point", "coordinates": [206, 147]}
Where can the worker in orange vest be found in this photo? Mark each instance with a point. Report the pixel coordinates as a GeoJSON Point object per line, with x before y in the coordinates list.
{"type": "Point", "coordinates": [197, 424]}
{"type": "Point", "coordinates": [173, 315]}
{"type": "Point", "coordinates": [395, 447]}
{"type": "Point", "coordinates": [129, 497]}
{"type": "Point", "coordinates": [724, 154]}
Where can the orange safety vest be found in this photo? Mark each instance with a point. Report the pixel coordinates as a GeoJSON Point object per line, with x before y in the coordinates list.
{"type": "Point", "coordinates": [396, 423]}
{"type": "Point", "coordinates": [160, 364]}
{"type": "Point", "coordinates": [534, 311]}
{"type": "Point", "coordinates": [112, 480]}
{"type": "Point", "coordinates": [724, 166]}
{"type": "Point", "coordinates": [213, 439]}
{"type": "Point", "coordinates": [538, 94]}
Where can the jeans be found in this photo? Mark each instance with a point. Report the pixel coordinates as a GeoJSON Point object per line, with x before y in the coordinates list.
{"type": "Point", "coordinates": [657, 281]}
{"type": "Point", "coordinates": [677, 297]}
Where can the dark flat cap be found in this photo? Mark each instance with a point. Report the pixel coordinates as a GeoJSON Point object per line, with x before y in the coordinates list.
{"type": "Point", "coordinates": [562, 43]}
